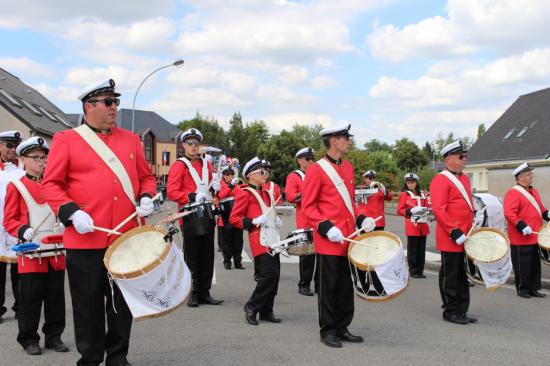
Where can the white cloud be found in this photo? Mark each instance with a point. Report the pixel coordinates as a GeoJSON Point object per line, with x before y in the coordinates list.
{"type": "Point", "coordinates": [26, 66]}
{"type": "Point", "coordinates": [323, 82]}
{"type": "Point", "coordinates": [278, 122]}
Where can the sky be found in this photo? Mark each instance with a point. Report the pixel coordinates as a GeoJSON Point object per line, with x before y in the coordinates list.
{"type": "Point", "coordinates": [392, 69]}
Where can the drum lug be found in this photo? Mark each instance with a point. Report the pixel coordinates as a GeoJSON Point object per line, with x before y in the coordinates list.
{"type": "Point", "coordinates": [172, 230]}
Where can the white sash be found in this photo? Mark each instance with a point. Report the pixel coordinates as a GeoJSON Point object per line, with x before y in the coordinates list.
{"type": "Point", "coordinates": [417, 198]}
{"type": "Point", "coordinates": [109, 158]}
{"type": "Point", "coordinates": [300, 173]}
{"type": "Point", "coordinates": [338, 183]}
{"type": "Point", "coordinates": [269, 234]}
{"type": "Point", "coordinates": [271, 189]}
{"type": "Point", "coordinates": [459, 186]}
{"type": "Point", "coordinates": [202, 184]}
{"type": "Point", "coordinates": [529, 197]}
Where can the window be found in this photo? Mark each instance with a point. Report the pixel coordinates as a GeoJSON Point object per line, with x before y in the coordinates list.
{"type": "Point", "coordinates": [11, 98]}
{"type": "Point", "coordinates": [148, 147]}
{"type": "Point", "coordinates": [48, 114]}
{"type": "Point", "coordinates": [509, 134]}
{"type": "Point", "coordinates": [523, 130]}
{"type": "Point", "coordinates": [31, 107]}
{"type": "Point", "coordinates": [60, 119]}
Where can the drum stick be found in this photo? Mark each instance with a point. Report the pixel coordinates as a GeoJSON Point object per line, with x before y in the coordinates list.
{"type": "Point", "coordinates": [39, 226]}
{"type": "Point", "coordinates": [361, 229]}
{"type": "Point", "coordinates": [126, 220]}
{"type": "Point", "coordinates": [538, 233]}
{"type": "Point", "coordinates": [106, 230]}
{"type": "Point", "coordinates": [360, 243]}
{"type": "Point", "coordinates": [174, 217]}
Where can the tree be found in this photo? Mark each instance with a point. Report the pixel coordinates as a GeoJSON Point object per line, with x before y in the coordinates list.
{"type": "Point", "coordinates": [309, 134]}
{"type": "Point", "coordinates": [408, 156]}
{"type": "Point", "coordinates": [235, 134]}
{"type": "Point", "coordinates": [480, 130]}
{"type": "Point", "coordinates": [375, 145]}
{"type": "Point", "coordinates": [380, 161]}
{"type": "Point", "coordinates": [213, 134]}
{"type": "Point", "coordinates": [280, 150]}
{"type": "Point", "coordinates": [255, 135]}
{"type": "Point", "coordinates": [428, 151]}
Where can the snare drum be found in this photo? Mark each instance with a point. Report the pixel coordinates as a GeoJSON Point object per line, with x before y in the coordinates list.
{"type": "Point", "coordinates": [487, 260]}
{"type": "Point", "coordinates": [7, 242]}
{"type": "Point", "coordinates": [362, 194]}
{"type": "Point", "coordinates": [225, 207]}
{"type": "Point", "coordinates": [544, 244]}
{"type": "Point", "coordinates": [150, 272]}
{"type": "Point", "coordinates": [200, 220]}
{"type": "Point", "coordinates": [424, 218]}
{"type": "Point", "coordinates": [302, 242]}
{"type": "Point", "coordinates": [380, 252]}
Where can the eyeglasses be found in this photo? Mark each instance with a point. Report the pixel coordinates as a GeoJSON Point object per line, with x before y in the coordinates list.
{"type": "Point", "coordinates": [228, 173]}
{"type": "Point", "coordinates": [10, 145]}
{"type": "Point", "coordinates": [260, 171]}
{"type": "Point", "coordinates": [107, 101]}
{"type": "Point", "coordinates": [192, 143]}
{"type": "Point", "coordinates": [38, 158]}
{"type": "Point", "coordinates": [463, 156]}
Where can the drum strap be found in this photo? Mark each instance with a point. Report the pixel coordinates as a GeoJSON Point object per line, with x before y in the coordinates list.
{"type": "Point", "coordinates": [261, 202]}
{"type": "Point", "coordinates": [300, 173]}
{"type": "Point", "coordinates": [271, 189]}
{"type": "Point", "coordinates": [109, 158]}
{"type": "Point", "coordinates": [268, 234]}
{"type": "Point", "coordinates": [338, 183]}
{"type": "Point", "coordinates": [529, 197]}
{"type": "Point", "coordinates": [458, 184]}
{"type": "Point", "coordinates": [417, 198]}
{"type": "Point", "coordinates": [202, 184]}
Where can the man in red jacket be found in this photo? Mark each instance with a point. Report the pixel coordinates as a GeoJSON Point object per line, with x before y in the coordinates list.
{"type": "Point", "coordinates": [374, 206]}
{"type": "Point", "coordinates": [232, 237]}
{"type": "Point", "coordinates": [327, 201]}
{"type": "Point", "coordinates": [452, 206]}
{"type": "Point", "coordinates": [29, 218]}
{"type": "Point", "coordinates": [293, 190]}
{"type": "Point", "coordinates": [524, 212]}
{"type": "Point", "coordinates": [85, 188]}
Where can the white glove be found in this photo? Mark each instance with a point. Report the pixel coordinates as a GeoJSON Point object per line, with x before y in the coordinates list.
{"type": "Point", "coordinates": [216, 185]}
{"type": "Point", "coordinates": [234, 181]}
{"type": "Point", "coordinates": [462, 238]}
{"type": "Point", "coordinates": [260, 220]}
{"type": "Point", "coordinates": [82, 222]}
{"type": "Point", "coordinates": [28, 234]}
{"type": "Point", "coordinates": [335, 235]}
{"type": "Point", "coordinates": [200, 197]}
{"type": "Point", "coordinates": [59, 228]}
{"type": "Point", "coordinates": [146, 206]}
{"type": "Point", "coordinates": [526, 230]}
{"type": "Point", "coordinates": [368, 224]}
{"type": "Point", "coordinates": [278, 223]}
{"type": "Point", "coordinates": [418, 209]}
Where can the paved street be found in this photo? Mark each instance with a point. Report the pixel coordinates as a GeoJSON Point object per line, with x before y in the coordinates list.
{"type": "Point", "coordinates": [406, 331]}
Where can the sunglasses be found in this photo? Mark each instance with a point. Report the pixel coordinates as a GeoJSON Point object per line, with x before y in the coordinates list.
{"type": "Point", "coordinates": [307, 158]}
{"type": "Point", "coordinates": [228, 173]}
{"type": "Point", "coordinates": [38, 158]}
{"type": "Point", "coordinates": [192, 143]}
{"type": "Point", "coordinates": [10, 145]}
{"type": "Point", "coordinates": [260, 171]}
{"type": "Point", "coordinates": [107, 101]}
{"type": "Point", "coordinates": [463, 156]}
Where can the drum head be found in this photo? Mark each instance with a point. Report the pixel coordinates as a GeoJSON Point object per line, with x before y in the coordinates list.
{"type": "Point", "coordinates": [486, 245]}
{"type": "Point", "coordinates": [544, 237]}
{"type": "Point", "coordinates": [377, 248]}
{"type": "Point", "coordinates": [136, 252]}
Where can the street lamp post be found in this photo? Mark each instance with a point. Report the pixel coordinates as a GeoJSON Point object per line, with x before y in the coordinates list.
{"type": "Point", "coordinates": [176, 63]}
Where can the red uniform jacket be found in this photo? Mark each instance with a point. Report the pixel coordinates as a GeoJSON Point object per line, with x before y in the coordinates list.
{"type": "Point", "coordinates": [246, 209]}
{"type": "Point", "coordinates": [518, 208]}
{"type": "Point", "coordinates": [226, 190]}
{"type": "Point", "coordinates": [276, 191]}
{"type": "Point", "coordinates": [180, 186]}
{"type": "Point", "coordinates": [404, 204]}
{"type": "Point", "coordinates": [450, 210]}
{"type": "Point", "coordinates": [324, 207]}
{"type": "Point", "coordinates": [375, 206]}
{"type": "Point", "coordinates": [293, 192]}
{"type": "Point", "coordinates": [76, 178]}
{"type": "Point", "coordinates": [16, 221]}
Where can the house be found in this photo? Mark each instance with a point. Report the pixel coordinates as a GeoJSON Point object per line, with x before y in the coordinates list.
{"type": "Point", "coordinates": [23, 108]}
{"type": "Point", "coordinates": [521, 134]}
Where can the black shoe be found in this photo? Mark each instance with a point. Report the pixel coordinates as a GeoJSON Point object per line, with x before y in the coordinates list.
{"type": "Point", "coordinates": [239, 266]}
{"type": "Point", "coordinates": [209, 300]}
{"type": "Point", "coordinates": [455, 318]}
{"type": "Point", "coordinates": [348, 337]}
{"type": "Point", "coordinates": [525, 295]}
{"type": "Point", "coordinates": [57, 346]}
{"type": "Point", "coordinates": [227, 265]}
{"type": "Point", "coordinates": [269, 317]}
{"type": "Point", "coordinates": [193, 301]}
{"type": "Point", "coordinates": [421, 276]}
{"type": "Point", "coordinates": [33, 349]}
{"type": "Point", "coordinates": [536, 293]}
{"type": "Point", "coordinates": [305, 291]}
{"type": "Point", "coordinates": [415, 276]}
{"type": "Point", "coordinates": [471, 284]}
{"type": "Point", "coordinates": [331, 340]}
{"type": "Point", "coordinates": [250, 316]}
{"type": "Point", "coordinates": [470, 319]}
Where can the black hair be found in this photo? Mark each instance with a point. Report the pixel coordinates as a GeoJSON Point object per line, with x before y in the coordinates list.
{"type": "Point", "coordinates": [417, 190]}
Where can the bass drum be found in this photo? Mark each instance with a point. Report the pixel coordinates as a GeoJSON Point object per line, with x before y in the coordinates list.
{"type": "Point", "coordinates": [544, 244]}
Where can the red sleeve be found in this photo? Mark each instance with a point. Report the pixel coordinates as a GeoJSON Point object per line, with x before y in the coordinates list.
{"type": "Point", "coordinates": [15, 216]}
{"type": "Point", "coordinates": [54, 186]}
{"type": "Point", "coordinates": [439, 192]}
{"type": "Point", "coordinates": [225, 190]}
{"type": "Point", "coordinates": [402, 204]}
{"type": "Point", "coordinates": [238, 213]}
{"type": "Point", "coordinates": [147, 182]}
{"type": "Point", "coordinates": [174, 186]}
{"type": "Point", "coordinates": [511, 206]}
{"type": "Point", "coordinates": [292, 187]}
{"type": "Point", "coordinates": [312, 185]}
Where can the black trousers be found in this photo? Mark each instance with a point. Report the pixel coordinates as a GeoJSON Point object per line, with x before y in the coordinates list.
{"type": "Point", "coordinates": [307, 270]}
{"type": "Point", "coordinates": [453, 284]}
{"type": "Point", "coordinates": [219, 238]}
{"type": "Point", "coordinates": [336, 295]}
{"type": "Point", "coordinates": [416, 254]}
{"type": "Point", "coordinates": [267, 272]}
{"type": "Point", "coordinates": [35, 289]}
{"type": "Point", "coordinates": [232, 245]}
{"type": "Point", "coordinates": [92, 302]}
{"type": "Point", "coordinates": [366, 282]}
{"type": "Point", "coordinates": [198, 251]}
{"type": "Point", "coordinates": [14, 286]}
{"type": "Point", "coordinates": [527, 271]}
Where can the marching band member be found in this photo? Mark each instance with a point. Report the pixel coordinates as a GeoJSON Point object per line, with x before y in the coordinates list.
{"type": "Point", "coordinates": [189, 181]}
{"type": "Point", "coordinates": [293, 190]}
{"type": "Point", "coordinates": [374, 207]}
{"type": "Point", "coordinates": [524, 212]}
{"type": "Point", "coordinates": [412, 200]}
{"type": "Point", "coordinates": [453, 208]}
{"type": "Point", "coordinates": [9, 140]}
{"type": "Point", "coordinates": [232, 237]}
{"type": "Point", "coordinates": [327, 197]}
{"type": "Point", "coordinates": [254, 212]}
{"type": "Point", "coordinates": [41, 280]}
{"type": "Point", "coordinates": [95, 175]}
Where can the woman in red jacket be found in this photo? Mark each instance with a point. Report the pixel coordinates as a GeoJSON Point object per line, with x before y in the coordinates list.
{"type": "Point", "coordinates": [413, 201]}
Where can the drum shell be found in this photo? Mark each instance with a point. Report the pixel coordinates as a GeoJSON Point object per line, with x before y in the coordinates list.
{"type": "Point", "coordinates": [200, 221]}
{"type": "Point", "coordinates": [301, 247]}
{"type": "Point", "coordinates": [225, 207]}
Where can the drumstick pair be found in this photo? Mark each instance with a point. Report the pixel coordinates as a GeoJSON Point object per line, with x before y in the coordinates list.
{"type": "Point", "coordinates": [126, 220]}
{"type": "Point", "coordinates": [361, 229]}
